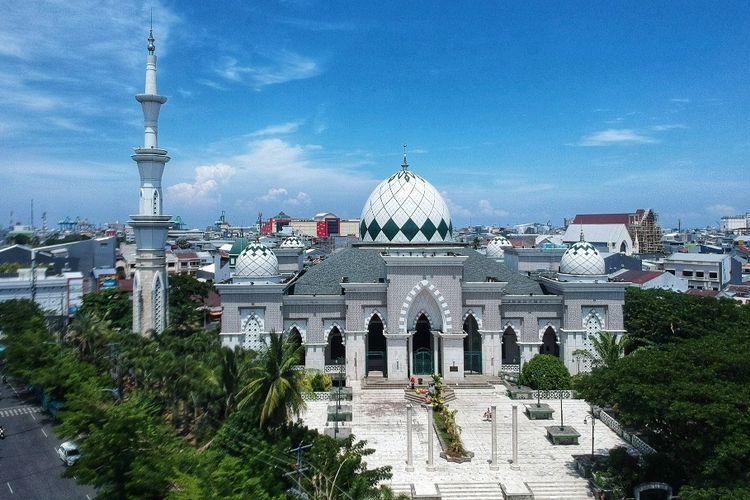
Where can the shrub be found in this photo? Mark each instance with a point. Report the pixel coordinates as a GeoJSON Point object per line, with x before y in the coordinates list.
{"type": "Point", "coordinates": [545, 372]}
{"type": "Point", "coordinates": [321, 382]}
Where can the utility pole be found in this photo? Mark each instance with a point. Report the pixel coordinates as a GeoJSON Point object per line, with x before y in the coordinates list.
{"type": "Point", "coordinates": [299, 469]}
{"type": "Point", "coordinates": [114, 359]}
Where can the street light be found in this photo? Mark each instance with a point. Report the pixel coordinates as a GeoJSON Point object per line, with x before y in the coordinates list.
{"type": "Point", "coordinates": [593, 424]}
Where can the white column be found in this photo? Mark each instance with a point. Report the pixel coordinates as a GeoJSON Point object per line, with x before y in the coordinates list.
{"type": "Point", "coordinates": [515, 465]}
{"type": "Point", "coordinates": [493, 462]}
{"type": "Point", "coordinates": [409, 451]}
{"type": "Point", "coordinates": [430, 445]}
{"type": "Point", "coordinates": [435, 347]}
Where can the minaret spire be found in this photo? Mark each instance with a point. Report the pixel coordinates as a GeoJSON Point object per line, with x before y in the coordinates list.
{"type": "Point", "coordinates": [405, 165]}
{"type": "Point", "coordinates": [150, 225]}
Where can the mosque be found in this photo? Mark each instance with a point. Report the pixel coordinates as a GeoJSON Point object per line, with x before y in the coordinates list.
{"type": "Point", "coordinates": [405, 300]}
{"type": "Point", "coordinates": [408, 300]}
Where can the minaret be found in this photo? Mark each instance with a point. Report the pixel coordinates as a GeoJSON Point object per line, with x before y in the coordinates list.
{"type": "Point", "coordinates": [150, 225]}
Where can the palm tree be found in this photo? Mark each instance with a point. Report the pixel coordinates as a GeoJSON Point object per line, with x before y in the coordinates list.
{"type": "Point", "coordinates": [608, 349]}
{"type": "Point", "coordinates": [275, 387]}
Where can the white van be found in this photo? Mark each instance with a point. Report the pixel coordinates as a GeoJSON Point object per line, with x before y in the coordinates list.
{"type": "Point", "coordinates": [68, 452]}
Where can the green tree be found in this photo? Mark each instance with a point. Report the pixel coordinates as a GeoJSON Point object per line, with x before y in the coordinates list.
{"type": "Point", "coordinates": [132, 455]}
{"type": "Point", "coordinates": [275, 387]}
{"type": "Point", "coordinates": [187, 302]}
{"type": "Point", "coordinates": [111, 305]}
{"type": "Point", "coordinates": [545, 372]}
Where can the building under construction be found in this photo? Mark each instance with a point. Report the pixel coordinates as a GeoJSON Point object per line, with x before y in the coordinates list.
{"type": "Point", "coordinates": [642, 225]}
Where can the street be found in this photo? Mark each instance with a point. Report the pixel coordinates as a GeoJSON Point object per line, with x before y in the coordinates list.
{"type": "Point", "coordinates": [29, 465]}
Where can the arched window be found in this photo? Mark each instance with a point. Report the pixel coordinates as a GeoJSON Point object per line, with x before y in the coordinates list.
{"type": "Point", "coordinates": [296, 337]}
{"type": "Point", "coordinates": [511, 350]}
{"type": "Point", "coordinates": [472, 346]}
{"type": "Point", "coordinates": [252, 330]}
{"type": "Point", "coordinates": [376, 346]}
{"type": "Point", "coordinates": [549, 343]}
{"type": "Point", "coordinates": [335, 350]}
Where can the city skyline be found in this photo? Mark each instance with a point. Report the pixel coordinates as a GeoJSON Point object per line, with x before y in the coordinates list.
{"type": "Point", "coordinates": [514, 113]}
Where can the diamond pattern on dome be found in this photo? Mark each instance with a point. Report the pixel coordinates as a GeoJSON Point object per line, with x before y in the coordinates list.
{"type": "Point", "coordinates": [390, 229]}
{"type": "Point", "coordinates": [256, 260]}
{"type": "Point", "coordinates": [414, 207]}
{"type": "Point", "coordinates": [292, 242]}
{"type": "Point", "coordinates": [582, 259]}
{"type": "Point", "coordinates": [496, 247]}
{"type": "Point", "coordinates": [442, 229]}
{"type": "Point", "coordinates": [428, 229]}
{"type": "Point", "coordinates": [410, 229]}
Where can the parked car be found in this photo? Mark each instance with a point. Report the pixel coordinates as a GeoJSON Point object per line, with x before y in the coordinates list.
{"type": "Point", "coordinates": [68, 452]}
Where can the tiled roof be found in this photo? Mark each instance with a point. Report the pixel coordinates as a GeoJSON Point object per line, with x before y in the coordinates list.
{"type": "Point", "coordinates": [601, 219]}
{"type": "Point", "coordinates": [638, 277]}
{"type": "Point", "coordinates": [703, 293]}
{"type": "Point", "coordinates": [363, 265]}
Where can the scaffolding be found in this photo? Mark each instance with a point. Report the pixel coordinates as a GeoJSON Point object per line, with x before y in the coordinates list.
{"type": "Point", "coordinates": [646, 231]}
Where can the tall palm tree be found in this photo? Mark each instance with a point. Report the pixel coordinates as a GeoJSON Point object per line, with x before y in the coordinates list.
{"type": "Point", "coordinates": [275, 387]}
{"type": "Point", "coordinates": [608, 349]}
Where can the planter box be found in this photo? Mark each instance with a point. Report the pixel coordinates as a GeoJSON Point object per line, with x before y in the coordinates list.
{"type": "Point", "coordinates": [344, 414]}
{"type": "Point", "coordinates": [345, 393]}
{"type": "Point", "coordinates": [520, 392]}
{"type": "Point", "coordinates": [342, 432]}
{"type": "Point", "coordinates": [539, 412]}
{"type": "Point", "coordinates": [562, 435]}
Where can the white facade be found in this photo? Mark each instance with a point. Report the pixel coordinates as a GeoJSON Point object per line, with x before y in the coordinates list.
{"type": "Point", "coordinates": [407, 300]}
{"type": "Point", "coordinates": [150, 286]}
{"type": "Point", "coordinates": [60, 295]}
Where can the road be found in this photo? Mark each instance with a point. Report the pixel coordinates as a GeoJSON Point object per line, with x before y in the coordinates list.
{"type": "Point", "coordinates": [29, 466]}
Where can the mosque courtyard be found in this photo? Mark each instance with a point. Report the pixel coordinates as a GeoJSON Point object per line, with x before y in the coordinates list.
{"type": "Point", "coordinates": [545, 471]}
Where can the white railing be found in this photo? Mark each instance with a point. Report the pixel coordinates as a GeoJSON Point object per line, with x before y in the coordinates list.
{"type": "Point", "coordinates": [316, 396]}
{"type": "Point", "coordinates": [335, 369]}
{"type": "Point", "coordinates": [510, 369]}
{"type": "Point", "coordinates": [298, 368]}
{"type": "Point", "coordinates": [636, 442]}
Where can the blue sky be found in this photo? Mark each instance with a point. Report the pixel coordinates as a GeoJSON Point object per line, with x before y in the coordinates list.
{"type": "Point", "coordinates": [515, 111]}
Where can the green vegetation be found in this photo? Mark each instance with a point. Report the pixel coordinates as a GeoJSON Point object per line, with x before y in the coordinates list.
{"type": "Point", "coordinates": [686, 394]}
{"type": "Point", "coordinates": [445, 421]}
{"type": "Point", "coordinates": [316, 381]}
{"type": "Point", "coordinates": [546, 373]}
{"type": "Point", "coordinates": [177, 415]}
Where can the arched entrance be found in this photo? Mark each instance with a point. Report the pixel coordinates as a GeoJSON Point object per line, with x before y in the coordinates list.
{"type": "Point", "coordinates": [511, 351]}
{"type": "Point", "coordinates": [549, 343]}
{"type": "Point", "coordinates": [472, 346]}
{"type": "Point", "coordinates": [422, 347]}
{"type": "Point", "coordinates": [376, 347]}
{"type": "Point", "coordinates": [335, 350]}
{"type": "Point", "coordinates": [296, 338]}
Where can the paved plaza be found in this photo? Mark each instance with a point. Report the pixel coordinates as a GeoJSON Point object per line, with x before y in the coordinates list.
{"type": "Point", "coordinates": [379, 417]}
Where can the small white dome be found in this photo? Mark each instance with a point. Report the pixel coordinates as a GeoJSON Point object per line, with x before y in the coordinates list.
{"type": "Point", "coordinates": [582, 259]}
{"type": "Point", "coordinates": [405, 208]}
{"type": "Point", "coordinates": [292, 242]}
{"type": "Point", "coordinates": [256, 261]}
{"type": "Point", "coordinates": [496, 247]}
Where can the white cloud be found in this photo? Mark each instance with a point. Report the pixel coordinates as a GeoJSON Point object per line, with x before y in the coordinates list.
{"type": "Point", "coordinates": [278, 67]}
{"type": "Point", "coordinates": [614, 136]}
{"type": "Point", "coordinates": [722, 210]}
{"type": "Point", "coordinates": [274, 194]}
{"type": "Point", "coordinates": [668, 126]}
{"type": "Point", "coordinates": [204, 189]}
{"type": "Point", "coordinates": [283, 128]}
{"type": "Point", "coordinates": [486, 208]}
{"type": "Point", "coordinates": [681, 100]}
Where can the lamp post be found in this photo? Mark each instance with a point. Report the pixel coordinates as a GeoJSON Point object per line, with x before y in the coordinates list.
{"type": "Point", "coordinates": [593, 425]}
{"type": "Point", "coordinates": [562, 417]}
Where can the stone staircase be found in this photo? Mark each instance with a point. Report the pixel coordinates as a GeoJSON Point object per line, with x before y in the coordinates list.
{"type": "Point", "coordinates": [560, 490]}
{"type": "Point", "coordinates": [478, 491]}
{"type": "Point", "coordinates": [414, 398]}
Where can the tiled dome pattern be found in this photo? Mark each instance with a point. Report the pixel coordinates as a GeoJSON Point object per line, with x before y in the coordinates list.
{"type": "Point", "coordinates": [582, 259]}
{"type": "Point", "coordinates": [292, 242]}
{"type": "Point", "coordinates": [496, 247]}
{"type": "Point", "coordinates": [405, 208]}
{"type": "Point", "coordinates": [256, 261]}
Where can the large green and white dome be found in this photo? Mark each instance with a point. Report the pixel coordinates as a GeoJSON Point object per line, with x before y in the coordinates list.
{"type": "Point", "coordinates": [405, 208]}
{"type": "Point", "coordinates": [257, 261]}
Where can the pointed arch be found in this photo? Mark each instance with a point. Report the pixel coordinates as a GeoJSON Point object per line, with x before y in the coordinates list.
{"type": "Point", "coordinates": [423, 347]}
{"type": "Point", "coordinates": [511, 352]}
{"type": "Point", "coordinates": [335, 350]}
{"type": "Point", "coordinates": [296, 337]}
{"type": "Point", "coordinates": [550, 342]}
{"type": "Point", "coordinates": [377, 360]}
{"type": "Point", "coordinates": [472, 345]}
{"type": "Point", "coordinates": [417, 299]}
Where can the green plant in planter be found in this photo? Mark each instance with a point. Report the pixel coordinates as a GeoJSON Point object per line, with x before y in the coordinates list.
{"type": "Point", "coordinates": [438, 403]}
{"type": "Point", "coordinates": [545, 372]}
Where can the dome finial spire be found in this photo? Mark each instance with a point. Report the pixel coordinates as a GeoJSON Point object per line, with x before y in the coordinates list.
{"type": "Point", "coordinates": [405, 165]}
{"type": "Point", "coordinates": [151, 40]}
{"type": "Point", "coordinates": [582, 238]}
